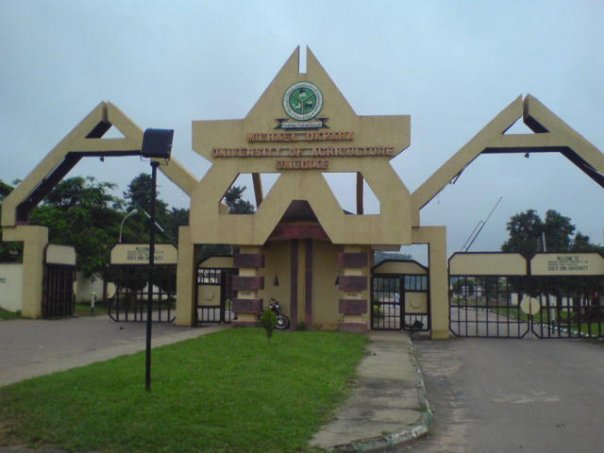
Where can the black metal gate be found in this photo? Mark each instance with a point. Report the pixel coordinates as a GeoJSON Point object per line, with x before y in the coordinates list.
{"type": "Point", "coordinates": [131, 295]}
{"type": "Point", "coordinates": [400, 302]}
{"type": "Point", "coordinates": [215, 295]}
{"type": "Point", "coordinates": [58, 298]}
{"type": "Point", "coordinates": [492, 307]}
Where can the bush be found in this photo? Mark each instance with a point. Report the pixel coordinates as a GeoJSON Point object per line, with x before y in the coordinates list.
{"type": "Point", "coordinates": [268, 319]}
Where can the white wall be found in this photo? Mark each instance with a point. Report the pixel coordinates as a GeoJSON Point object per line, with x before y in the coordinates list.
{"type": "Point", "coordinates": [85, 286]}
{"type": "Point", "coordinates": [11, 286]}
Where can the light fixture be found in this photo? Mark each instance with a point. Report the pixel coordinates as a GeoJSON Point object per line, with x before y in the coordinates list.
{"type": "Point", "coordinates": [157, 143]}
{"type": "Point", "coordinates": [276, 280]}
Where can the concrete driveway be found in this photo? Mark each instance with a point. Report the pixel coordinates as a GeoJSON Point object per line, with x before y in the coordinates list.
{"type": "Point", "coordinates": [495, 395]}
{"type": "Point", "coordinates": [31, 348]}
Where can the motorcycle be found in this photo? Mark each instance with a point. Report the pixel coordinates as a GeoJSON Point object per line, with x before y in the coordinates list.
{"type": "Point", "coordinates": [282, 320]}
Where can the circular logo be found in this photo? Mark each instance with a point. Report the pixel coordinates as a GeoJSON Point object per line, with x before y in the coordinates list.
{"type": "Point", "coordinates": [302, 101]}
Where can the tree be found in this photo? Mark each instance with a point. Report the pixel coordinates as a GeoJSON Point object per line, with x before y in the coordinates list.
{"type": "Point", "coordinates": [234, 200]}
{"type": "Point", "coordinates": [558, 231]}
{"type": "Point", "coordinates": [138, 195]}
{"type": "Point", "coordinates": [581, 244]}
{"type": "Point", "coordinates": [10, 252]}
{"type": "Point", "coordinates": [526, 230]}
{"type": "Point", "coordinates": [176, 217]}
{"type": "Point", "coordinates": [81, 212]}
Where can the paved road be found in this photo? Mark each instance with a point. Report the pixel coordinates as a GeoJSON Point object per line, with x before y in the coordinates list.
{"type": "Point", "coordinates": [35, 347]}
{"type": "Point", "coordinates": [495, 395]}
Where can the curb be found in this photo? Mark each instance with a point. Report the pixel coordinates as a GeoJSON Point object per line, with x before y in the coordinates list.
{"type": "Point", "coordinates": [397, 439]}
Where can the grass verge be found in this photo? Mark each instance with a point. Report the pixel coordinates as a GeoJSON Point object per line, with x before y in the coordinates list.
{"type": "Point", "coordinates": [83, 309]}
{"type": "Point", "coordinates": [230, 391]}
{"type": "Point", "coordinates": [5, 314]}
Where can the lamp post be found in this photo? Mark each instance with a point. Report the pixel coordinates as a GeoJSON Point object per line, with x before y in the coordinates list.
{"type": "Point", "coordinates": [157, 144]}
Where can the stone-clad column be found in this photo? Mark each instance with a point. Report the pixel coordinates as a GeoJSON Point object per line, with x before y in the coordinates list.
{"type": "Point", "coordinates": [248, 305]}
{"type": "Point", "coordinates": [353, 283]}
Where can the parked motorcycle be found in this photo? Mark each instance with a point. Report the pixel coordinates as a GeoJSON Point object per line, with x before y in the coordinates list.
{"type": "Point", "coordinates": [282, 320]}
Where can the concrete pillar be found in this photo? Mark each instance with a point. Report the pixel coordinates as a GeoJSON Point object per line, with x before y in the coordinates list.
{"type": "Point", "coordinates": [186, 276]}
{"type": "Point", "coordinates": [35, 240]}
{"type": "Point", "coordinates": [436, 238]}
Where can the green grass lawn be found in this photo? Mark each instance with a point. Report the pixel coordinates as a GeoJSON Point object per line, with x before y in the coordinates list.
{"type": "Point", "coordinates": [587, 328]}
{"type": "Point", "coordinates": [229, 391]}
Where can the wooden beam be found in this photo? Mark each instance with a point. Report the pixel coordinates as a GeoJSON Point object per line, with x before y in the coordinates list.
{"type": "Point", "coordinates": [360, 209]}
{"type": "Point", "coordinates": [257, 189]}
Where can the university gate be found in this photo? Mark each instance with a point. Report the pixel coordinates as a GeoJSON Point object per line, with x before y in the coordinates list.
{"type": "Point", "coordinates": [400, 297]}
{"type": "Point", "coordinates": [552, 295]}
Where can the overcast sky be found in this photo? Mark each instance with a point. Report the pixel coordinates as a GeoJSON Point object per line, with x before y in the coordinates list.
{"type": "Point", "coordinates": [451, 65]}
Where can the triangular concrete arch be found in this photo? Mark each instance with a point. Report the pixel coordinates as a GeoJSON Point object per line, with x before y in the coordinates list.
{"type": "Point", "coordinates": [389, 227]}
{"type": "Point", "coordinates": [85, 139]}
{"type": "Point", "coordinates": [551, 134]}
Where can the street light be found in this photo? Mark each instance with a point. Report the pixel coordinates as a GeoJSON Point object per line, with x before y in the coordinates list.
{"type": "Point", "coordinates": [130, 214]}
{"type": "Point", "coordinates": [157, 144]}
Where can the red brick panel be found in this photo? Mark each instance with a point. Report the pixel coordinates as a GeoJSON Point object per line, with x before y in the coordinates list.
{"type": "Point", "coordinates": [299, 231]}
{"type": "Point", "coordinates": [247, 283]}
{"type": "Point", "coordinates": [247, 306]}
{"type": "Point", "coordinates": [249, 260]}
{"type": "Point", "coordinates": [352, 283]}
{"type": "Point", "coordinates": [353, 260]}
{"type": "Point", "coordinates": [352, 306]}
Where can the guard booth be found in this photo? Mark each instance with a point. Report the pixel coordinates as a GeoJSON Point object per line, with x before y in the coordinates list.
{"type": "Point", "coordinates": [59, 276]}
{"type": "Point", "coordinates": [400, 296]}
{"type": "Point", "coordinates": [130, 272]}
{"type": "Point", "coordinates": [215, 292]}
{"type": "Point", "coordinates": [504, 295]}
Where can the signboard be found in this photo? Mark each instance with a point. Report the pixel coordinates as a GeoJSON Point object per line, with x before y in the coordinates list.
{"type": "Point", "coordinates": [60, 254]}
{"type": "Point", "coordinates": [487, 264]}
{"type": "Point", "coordinates": [567, 264]}
{"type": "Point", "coordinates": [138, 254]}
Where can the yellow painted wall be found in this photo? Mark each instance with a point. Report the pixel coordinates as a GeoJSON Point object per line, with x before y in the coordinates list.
{"type": "Point", "coordinates": [325, 292]}
{"type": "Point", "coordinates": [400, 267]}
{"type": "Point", "coordinates": [277, 256]}
{"type": "Point", "coordinates": [224, 262]}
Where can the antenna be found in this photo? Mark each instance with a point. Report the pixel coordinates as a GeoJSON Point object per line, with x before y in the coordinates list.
{"type": "Point", "coordinates": [478, 228]}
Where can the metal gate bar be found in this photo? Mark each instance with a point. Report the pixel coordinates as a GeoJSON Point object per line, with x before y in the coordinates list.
{"type": "Point", "coordinates": [130, 301]}
{"type": "Point", "coordinates": [220, 278]}
{"type": "Point", "coordinates": [58, 298]}
{"type": "Point", "coordinates": [489, 306]}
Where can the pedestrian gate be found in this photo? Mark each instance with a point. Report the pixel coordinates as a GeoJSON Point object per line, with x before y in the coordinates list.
{"type": "Point", "coordinates": [215, 293]}
{"type": "Point", "coordinates": [59, 277]}
{"type": "Point", "coordinates": [400, 296]}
